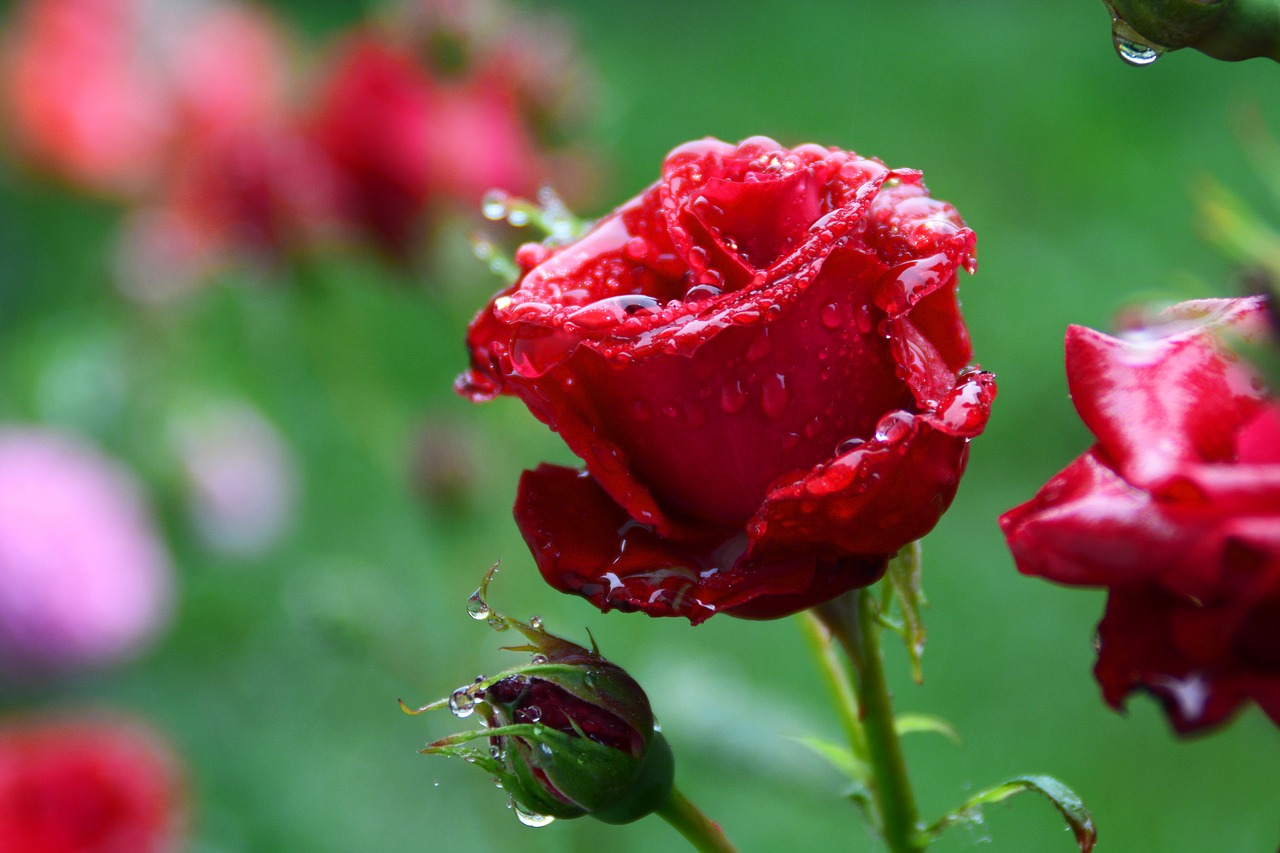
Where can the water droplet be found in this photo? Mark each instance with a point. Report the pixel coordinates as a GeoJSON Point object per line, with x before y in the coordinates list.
{"type": "Point", "coordinates": [461, 702]}
{"type": "Point", "coordinates": [518, 216]}
{"type": "Point", "coordinates": [759, 347]}
{"type": "Point", "coordinates": [700, 292]}
{"type": "Point", "coordinates": [535, 622]}
{"type": "Point", "coordinates": [1134, 53]}
{"type": "Point", "coordinates": [711, 278]}
{"type": "Point", "coordinates": [539, 659]}
{"type": "Point", "coordinates": [830, 316]}
{"type": "Point", "coordinates": [494, 205]}
{"type": "Point", "coordinates": [495, 750]}
{"type": "Point", "coordinates": [894, 426]}
{"type": "Point", "coordinates": [864, 320]}
{"type": "Point", "coordinates": [637, 248]}
{"type": "Point", "coordinates": [533, 714]}
{"type": "Point", "coordinates": [532, 818]}
{"type": "Point", "coordinates": [773, 395]}
{"type": "Point", "coordinates": [477, 608]}
{"type": "Point", "coordinates": [1131, 46]}
{"type": "Point", "coordinates": [733, 398]}
{"type": "Point", "coordinates": [848, 446]}
{"type": "Point", "coordinates": [613, 310]}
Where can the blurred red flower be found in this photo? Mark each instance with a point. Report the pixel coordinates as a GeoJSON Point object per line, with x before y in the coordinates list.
{"type": "Point", "coordinates": [761, 361]}
{"type": "Point", "coordinates": [101, 92]}
{"type": "Point", "coordinates": [88, 787]}
{"type": "Point", "coordinates": [1175, 510]}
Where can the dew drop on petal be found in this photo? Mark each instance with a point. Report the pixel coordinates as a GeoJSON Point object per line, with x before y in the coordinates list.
{"type": "Point", "coordinates": [830, 316]}
{"type": "Point", "coordinates": [637, 248]}
{"type": "Point", "coordinates": [894, 426]}
{"type": "Point", "coordinates": [733, 398]}
{"type": "Point", "coordinates": [773, 395]}
{"type": "Point", "coordinates": [848, 446]}
{"type": "Point", "coordinates": [702, 292]}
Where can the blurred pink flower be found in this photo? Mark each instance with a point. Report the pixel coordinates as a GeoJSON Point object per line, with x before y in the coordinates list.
{"type": "Point", "coordinates": [84, 578]}
{"type": "Point", "coordinates": [88, 786]}
{"type": "Point", "coordinates": [241, 477]}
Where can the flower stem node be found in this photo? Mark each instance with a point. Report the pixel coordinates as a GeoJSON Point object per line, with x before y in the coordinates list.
{"type": "Point", "coordinates": [569, 734]}
{"type": "Point", "coordinates": [1224, 29]}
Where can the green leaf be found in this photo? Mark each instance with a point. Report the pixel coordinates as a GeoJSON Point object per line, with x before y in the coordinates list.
{"type": "Point", "coordinates": [911, 723]}
{"type": "Point", "coordinates": [1065, 800]}
{"type": "Point", "coordinates": [839, 757]}
{"type": "Point", "coordinates": [903, 578]}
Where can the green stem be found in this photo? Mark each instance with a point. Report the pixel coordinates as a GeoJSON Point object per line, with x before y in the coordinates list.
{"type": "Point", "coordinates": [704, 834]}
{"type": "Point", "coordinates": [1229, 29]}
{"type": "Point", "coordinates": [852, 620]}
{"type": "Point", "coordinates": [836, 676]}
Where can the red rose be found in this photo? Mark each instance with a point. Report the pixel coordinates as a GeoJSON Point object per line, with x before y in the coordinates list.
{"type": "Point", "coordinates": [374, 124]}
{"type": "Point", "coordinates": [87, 787]}
{"type": "Point", "coordinates": [1175, 510]}
{"type": "Point", "coordinates": [760, 360]}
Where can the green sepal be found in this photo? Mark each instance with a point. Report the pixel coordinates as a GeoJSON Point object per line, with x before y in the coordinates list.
{"type": "Point", "coordinates": [1065, 800]}
{"type": "Point", "coordinates": [903, 584]}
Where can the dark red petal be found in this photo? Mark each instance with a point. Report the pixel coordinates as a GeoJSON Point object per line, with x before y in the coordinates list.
{"type": "Point", "coordinates": [762, 220]}
{"type": "Point", "coordinates": [873, 499]}
{"type": "Point", "coordinates": [1139, 651]}
{"type": "Point", "coordinates": [587, 545]}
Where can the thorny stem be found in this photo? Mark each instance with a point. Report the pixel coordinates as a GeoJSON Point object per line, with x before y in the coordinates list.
{"type": "Point", "coordinates": [851, 619]}
{"type": "Point", "coordinates": [704, 834]}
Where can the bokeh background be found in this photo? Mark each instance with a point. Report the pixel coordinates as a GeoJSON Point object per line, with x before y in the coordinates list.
{"type": "Point", "coordinates": [277, 679]}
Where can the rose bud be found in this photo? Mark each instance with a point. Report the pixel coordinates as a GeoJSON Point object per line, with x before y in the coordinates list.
{"type": "Point", "coordinates": [761, 361]}
{"type": "Point", "coordinates": [88, 786]}
{"type": "Point", "coordinates": [1175, 511]}
{"type": "Point", "coordinates": [570, 734]}
{"type": "Point", "coordinates": [85, 579]}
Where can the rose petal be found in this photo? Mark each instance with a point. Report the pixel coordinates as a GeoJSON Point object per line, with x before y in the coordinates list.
{"type": "Point", "coordinates": [1158, 404]}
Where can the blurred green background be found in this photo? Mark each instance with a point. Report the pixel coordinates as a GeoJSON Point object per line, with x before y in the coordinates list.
{"type": "Point", "coordinates": [279, 678]}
